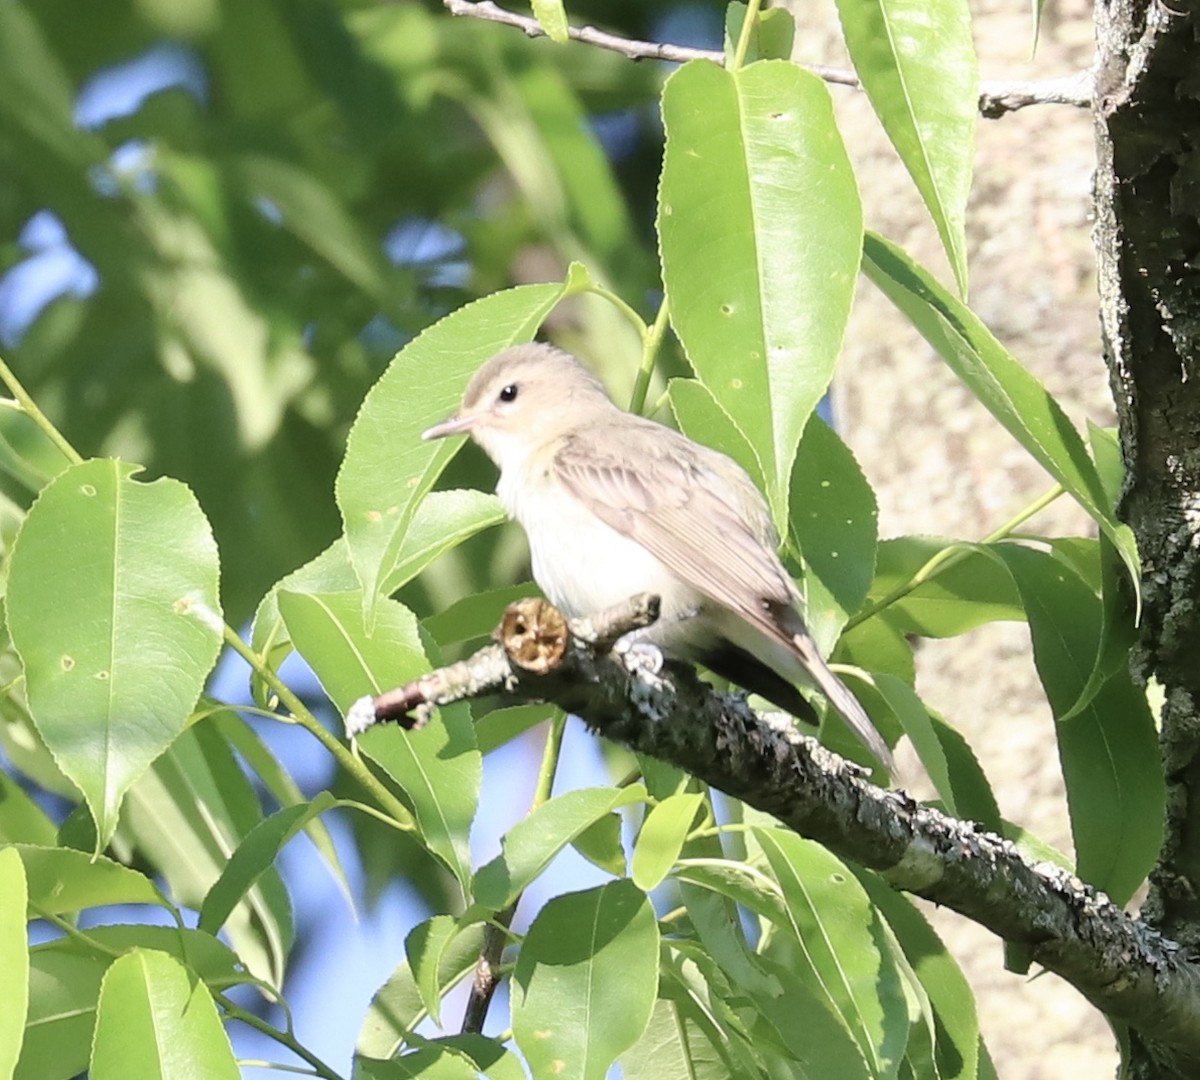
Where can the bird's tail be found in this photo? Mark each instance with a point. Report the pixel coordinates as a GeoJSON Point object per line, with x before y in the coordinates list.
{"type": "Point", "coordinates": [838, 694]}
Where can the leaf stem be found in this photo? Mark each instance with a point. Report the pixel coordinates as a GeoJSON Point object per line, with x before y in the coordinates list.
{"type": "Point", "coordinates": [30, 408]}
{"type": "Point", "coordinates": [651, 339]}
{"type": "Point", "coordinates": [284, 1038]}
{"type": "Point", "coordinates": [401, 817]}
{"type": "Point", "coordinates": [748, 24]}
{"type": "Point", "coordinates": [550, 756]}
{"type": "Point", "coordinates": [952, 555]}
{"type": "Point", "coordinates": [626, 309]}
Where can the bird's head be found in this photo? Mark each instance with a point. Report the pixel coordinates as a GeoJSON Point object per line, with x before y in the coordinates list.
{"type": "Point", "coordinates": [522, 399]}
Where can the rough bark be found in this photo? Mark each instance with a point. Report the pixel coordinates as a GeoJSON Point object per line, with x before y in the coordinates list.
{"type": "Point", "coordinates": [1148, 241]}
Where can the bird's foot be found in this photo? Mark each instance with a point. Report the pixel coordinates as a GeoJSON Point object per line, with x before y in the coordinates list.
{"type": "Point", "coordinates": [639, 657]}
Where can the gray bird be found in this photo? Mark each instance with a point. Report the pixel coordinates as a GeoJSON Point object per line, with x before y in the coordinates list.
{"type": "Point", "coordinates": [614, 504]}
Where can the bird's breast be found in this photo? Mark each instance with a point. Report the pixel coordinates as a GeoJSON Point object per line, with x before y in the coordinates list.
{"type": "Point", "coordinates": [582, 564]}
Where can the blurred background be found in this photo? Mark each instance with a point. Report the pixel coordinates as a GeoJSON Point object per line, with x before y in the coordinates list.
{"type": "Point", "coordinates": [220, 219]}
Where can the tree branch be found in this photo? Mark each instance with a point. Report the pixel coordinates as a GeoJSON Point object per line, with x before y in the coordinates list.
{"type": "Point", "coordinates": [996, 97]}
{"type": "Point", "coordinates": [1126, 969]}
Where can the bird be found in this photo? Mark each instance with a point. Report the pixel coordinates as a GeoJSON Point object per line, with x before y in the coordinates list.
{"type": "Point", "coordinates": [614, 504]}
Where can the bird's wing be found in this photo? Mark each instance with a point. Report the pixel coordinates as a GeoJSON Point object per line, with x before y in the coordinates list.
{"type": "Point", "coordinates": [701, 515]}
{"type": "Point", "coordinates": [690, 507]}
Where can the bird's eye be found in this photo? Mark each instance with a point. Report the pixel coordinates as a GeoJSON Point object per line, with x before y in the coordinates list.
{"type": "Point", "coordinates": [509, 393]}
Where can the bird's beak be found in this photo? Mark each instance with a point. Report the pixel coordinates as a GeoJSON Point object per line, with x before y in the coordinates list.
{"type": "Point", "coordinates": [455, 425]}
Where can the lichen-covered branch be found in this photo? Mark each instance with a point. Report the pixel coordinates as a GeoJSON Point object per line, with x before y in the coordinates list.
{"type": "Point", "coordinates": [996, 97]}
{"type": "Point", "coordinates": [1125, 968]}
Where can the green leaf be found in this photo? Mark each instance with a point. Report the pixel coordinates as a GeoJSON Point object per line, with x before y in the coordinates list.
{"type": "Point", "coordinates": [834, 519]}
{"type": "Point", "coordinates": [388, 470]}
{"type": "Point", "coordinates": [879, 646]}
{"type": "Point", "coordinates": [190, 809]}
{"type": "Point", "coordinates": [1109, 748]}
{"type": "Point", "coordinates": [760, 230]}
{"type": "Point", "coordinates": [477, 615]}
{"type": "Point", "coordinates": [439, 767]}
{"type": "Point", "coordinates": [251, 748]}
{"type": "Point", "coordinates": [112, 605]}
{"type": "Point", "coordinates": [824, 1046]}
{"type": "Point", "coordinates": [22, 821]}
{"type": "Point", "coordinates": [501, 726]}
{"type": "Point", "coordinates": [1012, 395]}
{"type": "Point", "coordinates": [443, 520]}
{"type": "Point", "coordinates": [673, 1047]}
{"type": "Point", "coordinates": [895, 697]}
{"type": "Point", "coordinates": [64, 982]}
{"type": "Point", "coordinates": [600, 843]}
{"type": "Point", "coordinates": [847, 962]}
{"type": "Point", "coordinates": [771, 36]}
{"type": "Point", "coordinates": [973, 794]}
{"type": "Point", "coordinates": [701, 995]}
{"type": "Point", "coordinates": [397, 1006]}
{"type": "Point", "coordinates": [254, 856]}
{"type": "Point", "coordinates": [916, 60]}
{"type": "Point", "coordinates": [957, 1038]}
{"type": "Point", "coordinates": [14, 959]}
{"type": "Point", "coordinates": [970, 589]}
{"type": "Point", "coordinates": [585, 981]}
{"type": "Point", "coordinates": [661, 838]}
{"type": "Point", "coordinates": [62, 881]}
{"type": "Point", "coordinates": [156, 1021]}
{"type": "Point", "coordinates": [316, 216]}
{"type": "Point", "coordinates": [427, 1063]}
{"type": "Point", "coordinates": [425, 946]}
{"type": "Point", "coordinates": [528, 847]}
{"type": "Point", "coordinates": [552, 18]}
{"type": "Point", "coordinates": [700, 416]}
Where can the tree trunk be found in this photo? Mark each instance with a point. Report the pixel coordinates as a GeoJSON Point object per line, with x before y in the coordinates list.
{"type": "Point", "coordinates": [1148, 245]}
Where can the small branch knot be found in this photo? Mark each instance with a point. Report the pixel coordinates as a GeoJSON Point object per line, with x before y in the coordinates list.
{"type": "Point", "coordinates": [533, 634]}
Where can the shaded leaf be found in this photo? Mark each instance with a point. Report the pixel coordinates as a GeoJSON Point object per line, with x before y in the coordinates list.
{"type": "Point", "coordinates": [439, 766]}
{"type": "Point", "coordinates": [397, 1006]}
{"type": "Point", "coordinates": [254, 856]}
{"type": "Point", "coordinates": [1109, 748]}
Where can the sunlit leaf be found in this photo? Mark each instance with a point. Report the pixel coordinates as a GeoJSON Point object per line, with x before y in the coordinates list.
{"type": "Point", "coordinates": [760, 229]}
{"type": "Point", "coordinates": [1010, 392]}
{"type": "Point", "coordinates": [528, 847]}
{"type": "Point", "coordinates": [661, 838]}
{"type": "Point", "coordinates": [916, 60]}
{"type": "Point", "coordinates": [156, 1021]}
{"type": "Point", "coordinates": [388, 469]}
{"type": "Point", "coordinates": [14, 959]}
{"type": "Point", "coordinates": [439, 766]}
{"type": "Point", "coordinates": [112, 604]}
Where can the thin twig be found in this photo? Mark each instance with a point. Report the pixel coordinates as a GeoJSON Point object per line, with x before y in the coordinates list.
{"type": "Point", "coordinates": [996, 97]}
{"type": "Point", "coordinates": [495, 933]}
